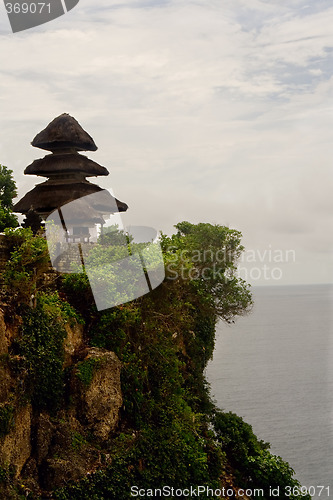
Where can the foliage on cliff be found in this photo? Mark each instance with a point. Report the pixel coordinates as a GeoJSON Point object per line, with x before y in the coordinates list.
{"type": "Point", "coordinates": [28, 261]}
{"type": "Point", "coordinates": [170, 432]}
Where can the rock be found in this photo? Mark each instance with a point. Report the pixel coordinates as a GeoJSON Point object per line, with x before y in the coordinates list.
{"type": "Point", "coordinates": [3, 338]}
{"type": "Point", "coordinates": [70, 456]}
{"type": "Point", "coordinates": [5, 377]}
{"type": "Point", "coordinates": [73, 342]}
{"type": "Point", "coordinates": [6, 382]}
{"type": "Point", "coordinates": [58, 471]}
{"type": "Point", "coordinates": [4, 252]}
{"type": "Point", "coordinates": [15, 447]}
{"type": "Point", "coordinates": [48, 451]}
{"type": "Point", "coordinates": [29, 476]}
{"type": "Point", "coordinates": [98, 400]}
{"type": "Point", "coordinates": [45, 430]}
{"type": "Point", "coordinates": [66, 455]}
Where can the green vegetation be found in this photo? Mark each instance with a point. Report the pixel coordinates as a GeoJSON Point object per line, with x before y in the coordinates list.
{"type": "Point", "coordinates": [28, 260]}
{"type": "Point", "coordinates": [6, 418]}
{"type": "Point", "coordinates": [7, 187]}
{"type": "Point", "coordinates": [39, 356]}
{"type": "Point", "coordinates": [253, 464]}
{"type": "Point", "coordinates": [7, 193]}
{"type": "Point", "coordinates": [114, 237]}
{"type": "Point", "coordinates": [53, 304]}
{"type": "Point", "coordinates": [78, 441]}
{"type": "Point", "coordinates": [6, 474]}
{"type": "Point", "coordinates": [86, 370]}
{"type": "Point", "coordinates": [7, 219]}
{"type": "Point", "coordinates": [170, 431]}
{"type": "Point", "coordinates": [207, 255]}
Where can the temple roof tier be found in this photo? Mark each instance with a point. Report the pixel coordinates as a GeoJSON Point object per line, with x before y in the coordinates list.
{"type": "Point", "coordinates": [64, 163]}
{"type": "Point", "coordinates": [82, 212]}
{"type": "Point", "coordinates": [46, 197]}
{"type": "Point", "coordinates": [64, 132]}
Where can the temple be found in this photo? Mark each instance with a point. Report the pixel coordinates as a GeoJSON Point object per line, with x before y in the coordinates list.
{"type": "Point", "coordinates": [66, 171]}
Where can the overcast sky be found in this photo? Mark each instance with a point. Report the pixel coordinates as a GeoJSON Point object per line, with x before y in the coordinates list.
{"type": "Point", "coordinates": [203, 110]}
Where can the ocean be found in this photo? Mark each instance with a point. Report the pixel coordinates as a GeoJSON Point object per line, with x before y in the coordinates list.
{"type": "Point", "coordinates": [274, 368]}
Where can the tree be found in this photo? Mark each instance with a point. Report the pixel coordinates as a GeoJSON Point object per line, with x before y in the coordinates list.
{"type": "Point", "coordinates": [7, 187]}
{"type": "Point", "coordinates": [206, 255]}
{"type": "Point", "coordinates": [7, 219]}
{"type": "Point", "coordinates": [7, 193]}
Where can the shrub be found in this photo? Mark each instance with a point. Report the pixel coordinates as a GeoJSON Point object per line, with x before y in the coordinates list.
{"type": "Point", "coordinates": [52, 303]}
{"type": "Point", "coordinates": [29, 259]}
{"type": "Point", "coordinates": [255, 466]}
{"type": "Point", "coordinates": [86, 370]}
{"type": "Point", "coordinates": [40, 349]}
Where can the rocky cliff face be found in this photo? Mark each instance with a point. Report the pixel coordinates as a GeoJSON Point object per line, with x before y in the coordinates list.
{"type": "Point", "coordinates": [61, 433]}
{"type": "Point", "coordinates": [45, 450]}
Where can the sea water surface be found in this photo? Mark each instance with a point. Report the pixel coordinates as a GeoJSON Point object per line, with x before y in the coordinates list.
{"type": "Point", "coordinates": [274, 367]}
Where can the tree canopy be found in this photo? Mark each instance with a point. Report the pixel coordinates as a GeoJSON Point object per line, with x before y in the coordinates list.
{"type": "Point", "coordinates": [7, 193]}
{"type": "Point", "coordinates": [206, 256]}
{"type": "Point", "coordinates": [7, 187]}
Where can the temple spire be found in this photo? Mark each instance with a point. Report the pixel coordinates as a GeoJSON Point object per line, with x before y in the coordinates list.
{"type": "Point", "coordinates": [65, 169]}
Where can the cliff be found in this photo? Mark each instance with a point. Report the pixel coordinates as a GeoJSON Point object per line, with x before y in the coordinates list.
{"type": "Point", "coordinates": [94, 403]}
{"type": "Point", "coordinates": [42, 441]}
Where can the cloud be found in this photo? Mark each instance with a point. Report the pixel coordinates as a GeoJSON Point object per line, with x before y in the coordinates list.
{"type": "Point", "coordinates": [204, 110]}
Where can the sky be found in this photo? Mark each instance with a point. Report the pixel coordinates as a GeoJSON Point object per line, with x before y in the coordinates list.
{"type": "Point", "coordinates": [214, 111]}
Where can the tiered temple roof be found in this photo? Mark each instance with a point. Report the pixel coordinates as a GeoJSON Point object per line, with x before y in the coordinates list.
{"type": "Point", "coordinates": [65, 169]}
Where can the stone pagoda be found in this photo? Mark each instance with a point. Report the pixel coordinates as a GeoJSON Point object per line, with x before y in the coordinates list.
{"type": "Point", "coordinates": [66, 171]}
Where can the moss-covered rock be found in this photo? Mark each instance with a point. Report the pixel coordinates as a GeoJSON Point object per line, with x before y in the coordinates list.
{"type": "Point", "coordinates": [96, 391]}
